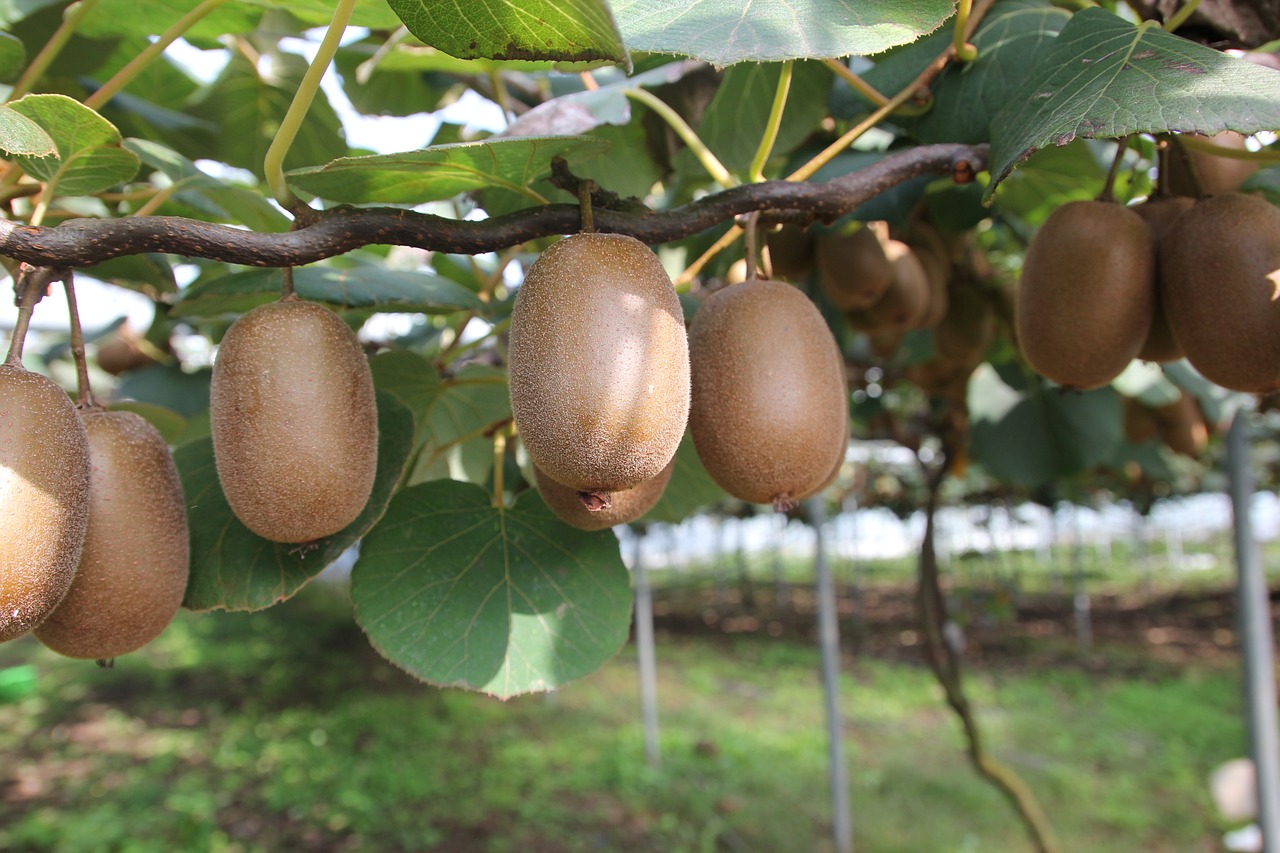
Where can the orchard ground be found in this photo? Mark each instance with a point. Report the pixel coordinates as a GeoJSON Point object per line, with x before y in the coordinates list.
{"type": "Point", "coordinates": [284, 730]}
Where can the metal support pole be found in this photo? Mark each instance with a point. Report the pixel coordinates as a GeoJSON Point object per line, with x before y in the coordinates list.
{"type": "Point", "coordinates": [1257, 641]}
{"type": "Point", "coordinates": [1080, 597]}
{"type": "Point", "coordinates": [829, 642]}
{"type": "Point", "coordinates": [646, 658]}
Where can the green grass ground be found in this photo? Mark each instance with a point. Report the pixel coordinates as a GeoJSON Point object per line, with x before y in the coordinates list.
{"type": "Point", "coordinates": [282, 731]}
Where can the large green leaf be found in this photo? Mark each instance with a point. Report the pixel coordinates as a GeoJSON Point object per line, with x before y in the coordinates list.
{"type": "Point", "coordinates": [460, 420]}
{"type": "Point", "coordinates": [21, 135]}
{"type": "Point", "coordinates": [966, 96]}
{"type": "Point", "coordinates": [152, 17]}
{"type": "Point", "coordinates": [13, 56]}
{"type": "Point", "coordinates": [1040, 434]}
{"type": "Point", "coordinates": [414, 381]}
{"type": "Point", "coordinates": [355, 287]}
{"type": "Point", "coordinates": [375, 14]}
{"type": "Point", "coordinates": [691, 488]}
{"type": "Point", "coordinates": [442, 171]}
{"type": "Point", "coordinates": [232, 568]}
{"type": "Point", "coordinates": [89, 158]}
{"type": "Point", "coordinates": [459, 592]}
{"type": "Point", "coordinates": [1104, 77]}
{"type": "Point", "coordinates": [578, 31]}
{"type": "Point", "coordinates": [727, 31]}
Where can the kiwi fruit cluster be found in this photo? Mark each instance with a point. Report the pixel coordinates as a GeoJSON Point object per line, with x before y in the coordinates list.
{"type": "Point", "coordinates": [294, 421]}
{"type": "Point", "coordinates": [1180, 425]}
{"type": "Point", "coordinates": [599, 375]}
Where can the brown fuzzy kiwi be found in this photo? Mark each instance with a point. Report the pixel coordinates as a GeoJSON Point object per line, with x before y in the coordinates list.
{"type": "Point", "coordinates": [1087, 293]}
{"type": "Point", "coordinates": [44, 493]}
{"type": "Point", "coordinates": [885, 341]}
{"type": "Point", "coordinates": [905, 302]}
{"type": "Point", "coordinates": [624, 506]}
{"type": "Point", "coordinates": [770, 398]}
{"type": "Point", "coordinates": [1219, 279]}
{"type": "Point", "coordinates": [1160, 213]}
{"type": "Point", "coordinates": [599, 364]}
{"type": "Point", "coordinates": [1218, 175]}
{"type": "Point", "coordinates": [931, 250]}
{"type": "Point", "coordinates": [852, 268]}
{"type": "Point", "coordinates": [133, 570]}
{"type": "Point", "coordinates": [1139, 422]}
{"type": "Point", "coordinates": [969, 326]}
{"type": "Point", "coordinates": [294, 421]}
{"type": "Point", "coordinates": [790, 252]}
{"type": "Point", "coordinates": [1181, 426]}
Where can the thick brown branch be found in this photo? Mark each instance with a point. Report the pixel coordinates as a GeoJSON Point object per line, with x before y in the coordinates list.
{"type": "Point", "coordinates": [83, 242]}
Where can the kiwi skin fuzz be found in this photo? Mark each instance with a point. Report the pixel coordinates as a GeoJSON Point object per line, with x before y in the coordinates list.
{"type": "Point", "coordinates": [295, 421]}
{"type": "Point", "coordinates": [133, 570]}
{"type": "Point", "coordinates": [44, 492]}
{"type": "Point", "coordinates": [1219, 280]}
{"type": "Point", "coordinates": [1160, 213]}
{"type": "Point", "coordinates": [624, 506]}
{"type": "Point", "coordinates": [599, 363]}
{"type": "Point", "coordinates": [1087, 293]}
{"type": "Point", "coordinates": [853, 270]}
{"type": "Point", "coordinates": [770, 398]}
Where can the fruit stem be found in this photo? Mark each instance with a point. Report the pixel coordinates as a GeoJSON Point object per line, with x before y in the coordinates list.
{"type": "Point", "coordinates": [273, 163]}
{"type": "Point", "coordinates": [133, 67]}
{"type": "Point", "coordinates": [1180, 17]}
{"type": "Point", "coordinates": [708, 160]}
{"type": "Point", "coordinates": [287, 293]}
{"type": "Point", "coordinates": [1108, 186]}
{"type": "Point", "coordinates": [862, 87]}
{"type": "Point", "coordinates": [922, 81]}
{"type": "Point", "coordinates": [584, 206]}
{"type": "Point", "coordinates": [84, 391]}
{"type": "Point", "coordinates": [1189, 163]}
{"type": "Point", "coordinates": [749, 242]}
{"type": "Point", "coordinates": [499, 467]}
{"type": "Point", "coordinates": [29, 287]}
{"type": "Point", "coordinates": [756, 173]}
{"type": "Point", "coordinates": [964, 51]}
{"type": "Point", "coordinates": [71, 18]}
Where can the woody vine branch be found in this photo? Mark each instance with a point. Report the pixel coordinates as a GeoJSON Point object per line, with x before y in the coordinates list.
{"type": "Point", "coordinates": [84, 242]}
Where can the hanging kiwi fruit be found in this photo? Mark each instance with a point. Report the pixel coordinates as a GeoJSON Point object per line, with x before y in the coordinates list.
{"type": "Point", "coordinates": [624, 506]}
{"type": "Point", "coordinates": [1087, 293]}
{"type": "Point", "coordinates": [1219, 279]}
{"type": "Point", "coordinates": [294, 421]}
{"type": "Point", "coordinates": [853, 270]}
{"type": "Point", "coordinates": [1160, 212]}
{"type": "Point", "coordinates": [599, 365]}
{"type": "Point", "coordinates": [770, 402]}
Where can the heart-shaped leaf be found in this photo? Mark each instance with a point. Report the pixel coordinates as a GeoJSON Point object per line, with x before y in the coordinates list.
{"type": "Point", "coordinates": [234, 569]}
{"type": "Point", "coordinates": [506, 601]}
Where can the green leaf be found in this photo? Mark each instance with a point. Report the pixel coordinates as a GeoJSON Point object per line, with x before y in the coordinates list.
{"type": "Point", "coordinates": [376, 89]}
{"type": "Point", "coordinates": [464, 413]}
{"type": "Point", "coordinates": [374, 14]}
{"type": "Point", "coordinates": [88, 159]}
{"type": "Point", "coordinates": [442, 171]}
{"type": "Point", "coordinates": [966, 96]}
{"type": "Point", "coordinates": [1051, 178]}
{"type": "Point", "coordinates": [736, 117]}
{"type": "Point", "coordinates": [21, 135]}
{"type": "Point", "coordinates": [691, 488]}
{"type": "Point", "coordinates": [458, 592]}
{"type": "Point", "coordinates": [169, 423]}
{"type": "Point", "coordinates": [1040, 434]}
{"type": "Point", "coordinates": [723, 32]}
{"type": "Point", "coordinates": [169, 386]}
{"type": "Point", "coordinates": [577, 31]}
{"type": "Point", "coordinates": [127, 17]}
{"type": "Point", "coordinates": [412, 379]}
{"type": "Point", "coordinates": [149, 274]}
{"type": "Point", "coordinates": [352, 287]}
{"type": "Point", "coordinates": [13, 56]}
{"type": "Point", "coordinates": [233, 569]}
{"type": "Point", "coordinates": [1106, 78]}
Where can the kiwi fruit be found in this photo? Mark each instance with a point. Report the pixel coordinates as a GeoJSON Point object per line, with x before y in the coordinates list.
{"type": "Point", "coordinates": [853, 270]}
{"type": "Point", "coordinates": [770, 399]}
{"type": "Point", "coordinates": [599, 364]}
{"type": "Point", "coordinates": [905, 302]}
{"type": "Point", "coordinates": [1139, 422]}
{"type": "Point", "coordinates": [931, 249]}
{"type": "Point", "coordinates": [1219, 280]}
{"type": "Point", "coordinates": [44, 489]}
{"type": "Point", "coordinates": [969, 326]}
{"type": "Point", "coordinates": [1218, 175]}
{"type": "Point", "coordinates": [294, 421]}
{"type": "Point", "coordinates": [133, 569]}
{"type": "Point", "coordinates": [1160, 213]}
{"type": "Point", "coordinates": [1087, 293]}
{"type": "Point", "coordinates": [1181, 426]}
{"type": "Point", "coordinates": [790, 252]}
{"type": "Point", "coordinates": [624, 506]}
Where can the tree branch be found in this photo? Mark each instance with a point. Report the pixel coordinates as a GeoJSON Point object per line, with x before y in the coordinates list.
{"type": "Point", "coordinates": [83, 242]}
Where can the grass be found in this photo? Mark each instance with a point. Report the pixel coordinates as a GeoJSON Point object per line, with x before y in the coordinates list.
{"type": "Point", "coordinates": [282, 731]}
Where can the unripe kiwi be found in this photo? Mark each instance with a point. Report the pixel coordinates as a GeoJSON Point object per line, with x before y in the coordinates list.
{"type": "Point", "coordinates": [1087, 293]}
{"type": "Point", "coordinates": [624, 506]}
{"type": "Point", "coordinates": [294, 421]}
{"type": "Point", "coordinates": [1160, 213]}
{"type": "Point", "coordinates": [599, 364]}
{"type": "Point", "coordinates": [133, 570]}
{"type": "Point", "coordinates": [770, 399]}
{"type": "Point", "coordinates": [852, 268]}
{"type": "Point", "coordinates": [905, 301]}
{"type": "Point", "coordinates": [44, 497]}
{"type": "Point", "coordinates": [1219, 268]}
